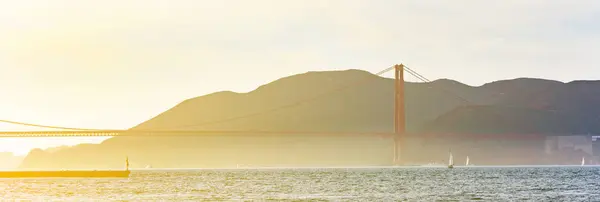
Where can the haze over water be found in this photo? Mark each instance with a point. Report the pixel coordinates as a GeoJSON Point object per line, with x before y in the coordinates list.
{"type": "Point", "coordinates": [356, 184]}
{"type": "Point", "coordinates": [214, 65]}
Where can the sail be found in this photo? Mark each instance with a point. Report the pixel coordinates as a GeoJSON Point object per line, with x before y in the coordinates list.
{"type": "Point", "coordinates": [583, 161]}
{"type": "Point", "coordinates": [450, 161]}
{"type": "Point", "coordinates": [467, 163]}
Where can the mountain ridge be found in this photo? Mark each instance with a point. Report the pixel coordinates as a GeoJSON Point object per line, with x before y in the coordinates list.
{"type": "Point", "coordinates": [367, 107]}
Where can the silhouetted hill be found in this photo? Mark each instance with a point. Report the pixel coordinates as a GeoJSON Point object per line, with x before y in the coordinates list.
{"type": "Point", "coordinates": [54, 149]}
{"type": "Point", "coordinates": [364, 107]}
{"type": "Point", "coordinates": [516, 106]}
{"type": "Point", "coordinates": [521, 92]}
{"type": "Point", "coordinates": [533, 106]}
{"type": "Point", "coordinates": [506, 120]}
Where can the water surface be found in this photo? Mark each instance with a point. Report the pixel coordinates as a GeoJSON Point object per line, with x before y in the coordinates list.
{"type": "Point", "coordinates": [339, 184]}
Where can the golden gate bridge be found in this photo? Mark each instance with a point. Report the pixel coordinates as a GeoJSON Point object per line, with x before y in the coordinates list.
{"type": "Point", "coordinates": [396, 135]}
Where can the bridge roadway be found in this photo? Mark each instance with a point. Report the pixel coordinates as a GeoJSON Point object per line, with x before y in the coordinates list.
{"type": "Point", "coordinates": [173, 133]}
{"type": "Point", "coordinates": [246, 133]}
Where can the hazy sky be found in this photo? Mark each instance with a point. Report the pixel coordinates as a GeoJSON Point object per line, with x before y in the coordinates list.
{"type": "Point", "coordinates": [116, 63]}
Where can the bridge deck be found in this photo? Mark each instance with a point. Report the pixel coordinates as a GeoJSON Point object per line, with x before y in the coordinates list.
{"type": "Point", "coordinates": [147, 133]}
{"type": "Point", "coordinates": [233, 133]}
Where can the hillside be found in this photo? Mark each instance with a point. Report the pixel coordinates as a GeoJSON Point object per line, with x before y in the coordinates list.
{"type": "Point", "coordinates": [361, 108]}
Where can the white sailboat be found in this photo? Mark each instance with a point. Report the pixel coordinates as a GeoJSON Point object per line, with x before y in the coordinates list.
{"type": "Point", "coordinates": [582, 161]}
{"type": "Point", "coordinates": [450, 161]}
{"type": "Point", "coordinates": [467, 162]}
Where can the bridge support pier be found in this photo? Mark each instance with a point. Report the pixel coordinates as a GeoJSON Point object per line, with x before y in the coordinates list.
{"type": "Point", "coordinates": [399, 112]}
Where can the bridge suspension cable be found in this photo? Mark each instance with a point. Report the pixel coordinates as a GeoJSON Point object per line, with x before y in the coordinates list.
{"type": "Point", "coordinates": [211, 122]}
{"type": "Point", "coordinates": [46, 126]}
{"type": "Point", "coordinates": [287, 106]}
